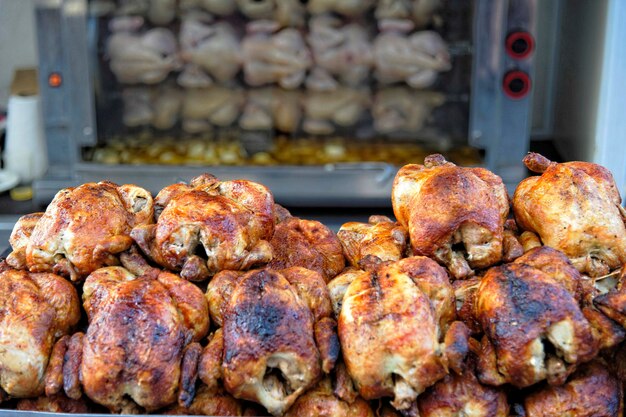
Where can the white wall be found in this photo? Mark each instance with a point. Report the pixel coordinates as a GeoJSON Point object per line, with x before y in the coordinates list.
{"type": "Point", "coordinates": [17, 41]}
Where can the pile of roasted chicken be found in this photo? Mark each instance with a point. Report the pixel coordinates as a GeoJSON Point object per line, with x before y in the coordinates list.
{"type": "Point", "coordinates": [211, 299]}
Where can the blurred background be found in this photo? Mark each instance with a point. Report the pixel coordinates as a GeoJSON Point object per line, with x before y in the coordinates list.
{"type": "Point", "coordinates": [320, 100]}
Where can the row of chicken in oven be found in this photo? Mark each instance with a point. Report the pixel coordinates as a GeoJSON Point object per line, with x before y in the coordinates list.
{"type": "Point", "coordinates": [330, 54]}
{"type": "Point", "coordinates": [201, 110]}
{"type": "Point", "coordinates": [454, 309]}
{"type": "Point", "coordinates": [284, 12]}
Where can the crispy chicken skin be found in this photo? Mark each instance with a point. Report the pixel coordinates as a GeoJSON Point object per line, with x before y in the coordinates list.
{"type": "Point", "coordinates": [139, 348]}
{"type": "Point", "coordinates": [613, 303]}
{"type": "Point", "coordinates": [231, 221]}
{"type": "Point", "coordinates": [380, 237]}
{"type": "Point", "coordinates": [463, 395]}
{"type": "Point", "coordinates": [590, 391]}
{"type": "Point", "coordinates": [444, 207]}
{"type": "Point", "coordinates": [574, 207]}
{"type": "Point", "coordinates": [321, 401]}
{"type": "Point", "coordinates": [73, 237]}
{"type": "Point", "coordinates": [277, 339]}
{"type": "Point", "coordinates": [36, 309]}
{"type": "Point", "coordinates": [389, 330]}
{"type": "Point", "coordinates": [534, 328]}
{"type": "Point", "coordinates": [309, 244]}
{"type": "Point", "coordinates": [58, 403]}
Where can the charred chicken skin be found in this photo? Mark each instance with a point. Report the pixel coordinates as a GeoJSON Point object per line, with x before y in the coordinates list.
{"type": "Point", "coordinates": [139, 349]}
{"type": "Point", "coordinates": [380, 238]}
{"type": "Point", "coordinates": [308, 244]}
{"type": "Point", "coordinates": [590, 391]}
{"type": "Point", "coordinates": [209, 226]}
{"type": "Point", "coordinates": [391, 328]}
{"type": "Point", "coordinates": [36, 309]}
{"type": "Point", "coordinates": [534, 327]}
{"type": "Point", "coordinates": [277, 339]}
{"type": "Point", "coordinates": [74, 237]}
{"type": "Point", "coordinates": [453, 214]}
{"type": "Point", "coordinates": [574, 207]}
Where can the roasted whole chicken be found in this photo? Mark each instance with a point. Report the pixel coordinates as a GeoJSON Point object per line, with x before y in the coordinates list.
{"type": "Point", "coordinates": [453, 214]}
{"type": "Point", "coordinates": [209, 226]}
{"type": "Point", "coordinates": [379, 238]}
{"type": "Point", "coordinates": [591, 391]}
{"type": "Point", "coordinates": [343, 51]}
{"type": "Point", "coordinates": [141, 57]}
{"type": "Point", "coordinates": [309, 244]}
{"type": "Point", "coordinates": [36, 309]}
{"type": "Point", "coordinates": [534, 328]}
{"type": "Point", "coordinates": [159, 107]}
{"type": "Point", "coordinates": [277, 336]}
{"type": "Point", "coordinates": [140, 348]}
{"type": "Point", "coordinates": [73, 238]}
{"type": "Point", "coordinates": [416, 58]}
{"type": "Point", "coordinates": [397, 331]}
{"type": "Point", "coordinates": [274, 56]}
{"type": "Point", "coordinates": [574, 207]}
{"type": "Point", "coordinates": [268, 108]}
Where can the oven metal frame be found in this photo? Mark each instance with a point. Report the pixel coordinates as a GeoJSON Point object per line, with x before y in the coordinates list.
{"type": "Point", "coordinates": [498, 124]}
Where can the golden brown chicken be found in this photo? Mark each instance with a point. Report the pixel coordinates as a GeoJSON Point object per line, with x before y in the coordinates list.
{"type": "Point", "coordinates": [380, 238]}
{"type": "Point", "coordinates": [83, 229]}
{"type": "Point", "coordinates": [534, 327]}
{"type": "Point", "coordinates": [36, 309]}
{"type": "Point", "coordinates": [463, 395]}
{"type": "Point", "coordinates": [58, 403]}
{"type": "Point", "coordinates": [309, 244]}
{"type": "Point", "coordinates": [574, 207]}
{"type": "Point", "coordinates": [277, 339]}
{"type": "Point", "coordinates": [590, 392]}
{"type": "Point", "coordinates": [391, 328]}
{"type": "Point", "coordinates": [454, 215]}
{"type": "Point", "coordinates": [139, 349]}
{"type": "Point", "coordinates": [321, 401]}
{"type": "Point", "coordinates": [209, 226]}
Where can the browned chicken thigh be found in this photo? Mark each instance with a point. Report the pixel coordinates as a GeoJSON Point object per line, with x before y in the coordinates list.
{"type": "Point", "coordinates": [590, 392]}
{"type": "Point", "coordinates": [138, 350]}
{"type": "Point", "coordinates": [58, 403]}
{"type": "Point", "coordinates": [277, 339]}
{"type": "Point", "coordinates": [574, 207]}
{"type": "Point", "coordinates": [453, 214]}
{"type": "Point", "coordinates": [83, 229]}
{"type": "Point", "coordinates": [381, 238]}
{"type": "Point", "coordinates": [309, 244]}
{"type": "Point", "coordinates": [534, 327]}
{"type": "Point", "coordinates": [392, 325]}
{"type": "Point", "coordinates": [210, 402]}
{"type": "Point", "coordinates": [36, 309]}
{"type": "Point", "coordinates": [209, 226]}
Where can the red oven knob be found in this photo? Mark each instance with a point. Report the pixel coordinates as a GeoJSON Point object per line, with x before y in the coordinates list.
{"type": "Point", "coordinates": [516, 84]}
{"type": "Point", "coordinates": [519, 44]}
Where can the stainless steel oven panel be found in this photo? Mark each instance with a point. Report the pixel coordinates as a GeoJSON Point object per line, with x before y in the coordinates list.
{"type": "Point", "coordinates": [498, 123]}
